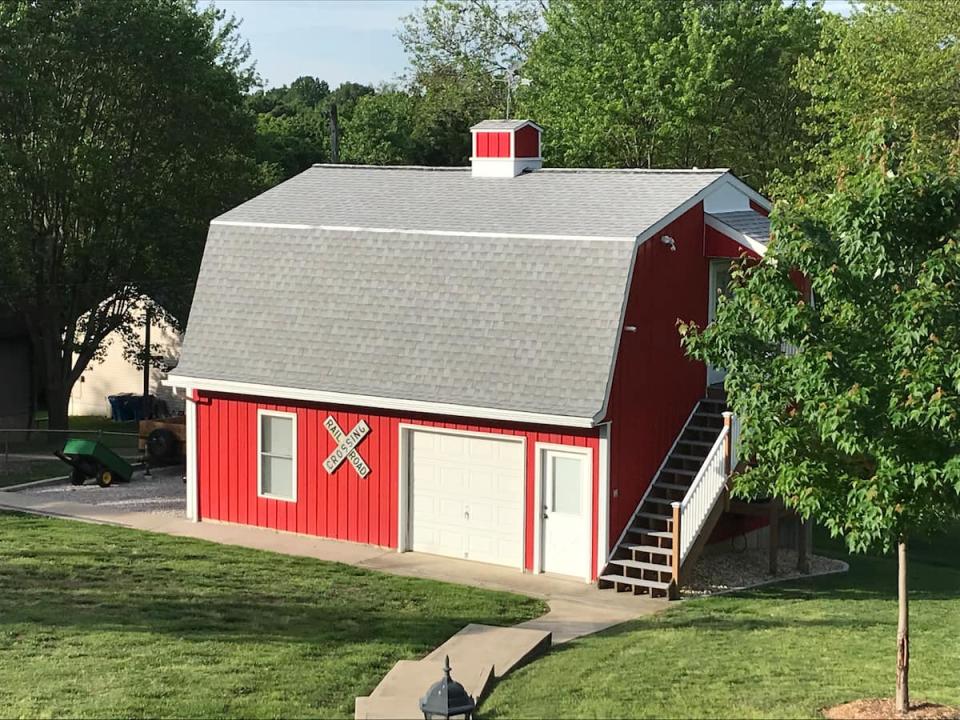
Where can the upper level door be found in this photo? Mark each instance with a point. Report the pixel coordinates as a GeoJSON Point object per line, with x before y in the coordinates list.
{"type": "Point", "coordinates": [719, 285]}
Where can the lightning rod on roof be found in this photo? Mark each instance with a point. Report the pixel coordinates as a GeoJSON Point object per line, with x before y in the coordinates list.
{"type": "Point", "coordinates": [512, 80]}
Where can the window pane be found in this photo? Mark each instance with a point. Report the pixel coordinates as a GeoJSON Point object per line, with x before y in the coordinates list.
{"type": "Point", "coordinates": [566, 485]}
{"type": "Point", "coordinates": [276, 477]}
{"type": "Point", "coordinates": [277, 435]}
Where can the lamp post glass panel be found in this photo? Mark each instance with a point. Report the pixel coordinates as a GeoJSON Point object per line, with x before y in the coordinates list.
{"type": "Point", "coordinates": [447, 698]}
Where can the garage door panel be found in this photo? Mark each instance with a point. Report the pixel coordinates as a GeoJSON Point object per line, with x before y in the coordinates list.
{"type": "Point", "coordinates": [467, 496]}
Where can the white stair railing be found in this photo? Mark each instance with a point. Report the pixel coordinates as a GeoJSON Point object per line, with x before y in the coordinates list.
{"type": "Point", "coordinates": [705, 491]}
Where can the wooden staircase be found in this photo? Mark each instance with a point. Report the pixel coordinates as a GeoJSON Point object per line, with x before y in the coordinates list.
{"type": "Point", "coordinates": [645, 561]}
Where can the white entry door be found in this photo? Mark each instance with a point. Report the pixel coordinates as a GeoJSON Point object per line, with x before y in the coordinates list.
{"type": "Point", "coordinates": [466, 496]}
{"type": "Point", "coordinates": [719, 282]}
{"type": "Point", "coordinates": [565, 492]}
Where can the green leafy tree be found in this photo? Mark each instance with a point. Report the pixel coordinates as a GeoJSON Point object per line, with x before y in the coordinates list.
{"type": "Point", "coordinates": [122, 132]}
{"type": "Point", "coordinates": [661, 83]}
{"type": "Point", "coordinates": [896, 60]}
{"type": "Point", "coordinates": [859, 428]}
{"type": "Point", "coordinates": [380, 130]}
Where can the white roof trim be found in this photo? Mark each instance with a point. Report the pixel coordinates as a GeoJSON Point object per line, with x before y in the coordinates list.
{"type": "Point", "coordinates": [749, 192]}
{"type": "Point", "coordinates": [748, 242]}
{"type": "Point", "coordinates": [444, 233]}
{"type": "Point", "coordinates": [372, 401]}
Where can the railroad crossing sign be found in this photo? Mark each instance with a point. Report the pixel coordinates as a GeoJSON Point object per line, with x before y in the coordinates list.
{"type": "Point", "coordinates": [346, 446]}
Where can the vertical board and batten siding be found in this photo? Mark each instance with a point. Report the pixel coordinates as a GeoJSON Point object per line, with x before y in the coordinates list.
{"type": "Point", "coordinates": [526, 142]}
{"type": "Point", "coordinates": [342, 505]}
{"type": "Point", "coordinates": [655, 385]}
{"type": "Point", "coordinates": [492, 144]}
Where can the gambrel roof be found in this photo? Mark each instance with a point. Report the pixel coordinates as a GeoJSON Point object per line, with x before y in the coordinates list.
{"type": "Point", "coordinates": [427, 289]}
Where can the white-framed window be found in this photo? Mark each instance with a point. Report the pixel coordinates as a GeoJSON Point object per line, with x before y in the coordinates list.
{"type": "Point", "coordinates": [277, 455]}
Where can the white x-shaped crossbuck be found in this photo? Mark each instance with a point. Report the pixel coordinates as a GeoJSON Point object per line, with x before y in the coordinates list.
{"type": "Point", "coordinates": [346, 446]}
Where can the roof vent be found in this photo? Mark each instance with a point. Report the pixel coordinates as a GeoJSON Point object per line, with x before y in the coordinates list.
{"type": "Point", "coordinates": [505, 148]}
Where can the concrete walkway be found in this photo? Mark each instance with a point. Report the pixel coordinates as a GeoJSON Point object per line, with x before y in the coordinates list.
{"type": "Point", "coordinates": [576, 608]}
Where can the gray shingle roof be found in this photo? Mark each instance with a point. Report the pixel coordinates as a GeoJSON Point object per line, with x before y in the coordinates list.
{"type": "Point", "coordinates": [527, 325]}
{"type": "Point", "coordinates": [749, 222]}
{"type": "Point", "coordinates": [502, 124]}
{"type": "Point", "coordinates": [546, 202]}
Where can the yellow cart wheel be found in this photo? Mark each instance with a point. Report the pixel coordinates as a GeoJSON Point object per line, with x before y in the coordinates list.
{"type": "Point", "coordinates": [105, 478]}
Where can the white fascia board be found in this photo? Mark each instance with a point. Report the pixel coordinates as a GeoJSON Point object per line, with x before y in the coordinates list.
{"type": "Point", "coordinates": [748, 242]}
{"type": "Point", "coordinates": [441, 233]}
{"type": "Point", "coordinates": [234, 387]}
{"type": "Point", "coordinates": [749, 191]}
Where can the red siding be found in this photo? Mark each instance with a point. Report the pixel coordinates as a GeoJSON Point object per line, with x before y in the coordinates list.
{"type": "Point", "coordinates": [527, 142]}
{"type": "Point", "coordinates": [655, 385]}
{"type": "Point", "coordinates": [492, 144]}
{"type": "Point", "coordinates": [342, 505]}
{"type": "Point", "coordinates": [757, 207]}
{"type": "Point", "coordinates": [718, 245]}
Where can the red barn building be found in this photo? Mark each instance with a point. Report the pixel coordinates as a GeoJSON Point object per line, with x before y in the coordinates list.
{"type": "Point", "coordinates": [475, 362]}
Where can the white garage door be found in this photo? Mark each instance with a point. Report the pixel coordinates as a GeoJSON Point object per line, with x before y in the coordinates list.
{"type": "Point", "coordinates": [467, 496]}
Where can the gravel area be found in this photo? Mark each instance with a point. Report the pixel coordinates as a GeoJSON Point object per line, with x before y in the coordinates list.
{"type": "Point", "coordinates": [736, 571]}
{"type": "Point", "coordinates": [163, 492]}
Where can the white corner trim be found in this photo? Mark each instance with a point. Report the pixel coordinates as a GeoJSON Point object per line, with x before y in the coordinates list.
{"type": "Point", "coordinates": [193, 485]}
{"type": "Point", "coordinates": [262, 413]}
{"type": "Point", "coordinates": [374, 402]}
{"type": "Point", "coordinates": [735, 235]}
{"type": "Point", "coordinates": [603, 499]}
{"type": "Point", "coordinates": [406, 231]}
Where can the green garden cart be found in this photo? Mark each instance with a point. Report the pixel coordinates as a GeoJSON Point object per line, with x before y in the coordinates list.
{"type": "Point", "coordinates": [93, 459]}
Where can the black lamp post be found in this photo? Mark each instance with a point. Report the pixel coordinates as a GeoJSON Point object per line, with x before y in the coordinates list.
{"type": "Point", "coordinates": [447, 698]}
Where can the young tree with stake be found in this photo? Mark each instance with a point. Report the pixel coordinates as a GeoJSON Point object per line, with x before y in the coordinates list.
{"type": "Point", "coordinates": [860, 428]}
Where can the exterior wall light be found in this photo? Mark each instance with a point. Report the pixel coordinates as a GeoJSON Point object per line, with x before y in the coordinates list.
{"type": "Point", "coordinates": [669, 242]}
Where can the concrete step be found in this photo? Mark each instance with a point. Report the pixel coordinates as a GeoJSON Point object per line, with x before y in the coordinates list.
{"type": "Point", "coordinates": [503, 647]}
{"type": "Point", "coordinates": [410, 679]}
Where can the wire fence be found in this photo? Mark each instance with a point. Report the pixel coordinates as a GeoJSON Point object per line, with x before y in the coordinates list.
{"type": "Point", "coordinates": [27, 455]}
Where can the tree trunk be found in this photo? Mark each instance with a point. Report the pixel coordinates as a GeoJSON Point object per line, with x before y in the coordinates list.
{"type": "Point", "coordinates": [58, 404]}
{"type": "Point", "coordinates": [903, 632]}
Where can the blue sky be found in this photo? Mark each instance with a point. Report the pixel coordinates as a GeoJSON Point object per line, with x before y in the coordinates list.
{"type": "Point", "coordinates": [335, 40]}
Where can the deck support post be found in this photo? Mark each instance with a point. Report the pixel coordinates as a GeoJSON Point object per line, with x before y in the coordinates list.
{"type": "Point", "coordinates": [674, 592]}
{"type": "Point", "coordinates": [727, 457]}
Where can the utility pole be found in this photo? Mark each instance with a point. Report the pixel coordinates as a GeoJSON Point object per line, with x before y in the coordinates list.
{"type": "Point", "coordinates": [148, 321]}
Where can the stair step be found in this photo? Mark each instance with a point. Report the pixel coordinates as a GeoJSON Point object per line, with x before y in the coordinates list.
{"type": "Point", "coordinates": [652, 549]}
{"type": "Point", "coordinates": [637, 565]}
{"type": "Point", "coordinates": [663, 500]}
{"type": "Point", "coordinates": [703, 428]}
{"type": "Point", "coordinates": [684, 456]}
{"type": "Point", "coordinates": [651, 533]}
{"type": "Point", "coordinates": [704, 443]}
{"type": "Point", "coordinates": [705, 413]}
{"type": "Point", "coordinates": [671, 486]}
{"type": "Point", "coordinates": [636, 582]}
{"type": "Point", "coordinates": [681, 471]}
{"type": "Point", "coordinates": [655, 516]}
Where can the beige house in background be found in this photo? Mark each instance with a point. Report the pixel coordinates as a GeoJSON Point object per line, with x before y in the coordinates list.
{"type": "Point", "coordinates": [115, 374]}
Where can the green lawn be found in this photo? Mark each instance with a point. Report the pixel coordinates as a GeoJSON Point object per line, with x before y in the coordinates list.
{"type": "Point", "coordinates": [779, 651]}
{"type": "Point", "coordinates": [97, 621]}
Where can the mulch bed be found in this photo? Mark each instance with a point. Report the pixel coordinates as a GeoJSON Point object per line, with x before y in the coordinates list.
{"type": "Point", "coordinates": [875, 709]}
